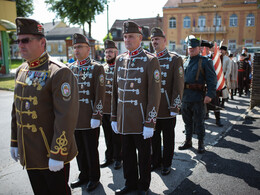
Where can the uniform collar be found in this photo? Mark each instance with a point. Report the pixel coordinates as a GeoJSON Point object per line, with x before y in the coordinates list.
{"type": "Point", "coordinates": [113, 64]}
{"type": "Point", "coordinates": [162, 53]}
{"type": "Point", "coordinates": [39, 61]}
{"type": "Point", "coordinates": [83, 62]}
{"type": "Point", "coordinates": [135, 52]}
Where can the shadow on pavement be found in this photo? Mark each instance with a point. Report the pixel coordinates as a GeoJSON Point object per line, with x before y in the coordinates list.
{"type": "Point", "coordinates": [190, 188]}
{"type": "Point", "coordinates": [234, 168]}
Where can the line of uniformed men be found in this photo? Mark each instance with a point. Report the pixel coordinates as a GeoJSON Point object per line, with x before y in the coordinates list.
{"type": "Point", "coordinates": [50, 103]}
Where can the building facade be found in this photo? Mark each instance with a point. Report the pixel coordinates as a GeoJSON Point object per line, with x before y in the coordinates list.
{"type": "Point", "coordinates": [232, 21]}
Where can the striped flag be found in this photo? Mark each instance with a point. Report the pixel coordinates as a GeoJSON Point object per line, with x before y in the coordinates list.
{"type": "Point", "coordinates": [218, 68]}
{"type": "Point", "coordinates": [204, 53]}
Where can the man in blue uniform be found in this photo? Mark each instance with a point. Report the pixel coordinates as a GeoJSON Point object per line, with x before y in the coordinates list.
{"type": "Point", "coordinates": [198, 71]}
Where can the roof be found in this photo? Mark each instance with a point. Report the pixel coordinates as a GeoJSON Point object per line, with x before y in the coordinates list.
{"type": "Point", "coordinates": [150, 22]}
{"type": "Point", "coordinates": [50, 25]}
{"type": "Point", "coordinates": [59, 30]}
{"type": "Point", "coordinates": [175, 3]}
{"type": "Point", "coordinates": [62, 33]}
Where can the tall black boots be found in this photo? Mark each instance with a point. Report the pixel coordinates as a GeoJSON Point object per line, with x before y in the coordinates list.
{"type": "Point", "coordinates": [188, 144]}
{"type": "Point", "coordinates": [185, 145]}
{"type": "Point", "coordinates": [217, 115]}
{"type": "Point", "coordinates": [201, 148]}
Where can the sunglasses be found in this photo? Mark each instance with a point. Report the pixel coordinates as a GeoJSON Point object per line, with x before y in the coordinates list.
{"type": "Point", "coordinates": [25, 40]}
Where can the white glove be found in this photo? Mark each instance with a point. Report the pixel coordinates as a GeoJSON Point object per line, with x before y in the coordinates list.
{"type": "Point", "coordinates": [147, 132]}
{"type": "Point", "coordinates": [173, 114]}
{"type": "Point", "coordinates": [114, 126]}
{"type": "Point", "coordinates": [55, 165]}
{"type": "Point", "coordinates": [94, 123]}
{"type": "Point", "coordinates": [14, 153]}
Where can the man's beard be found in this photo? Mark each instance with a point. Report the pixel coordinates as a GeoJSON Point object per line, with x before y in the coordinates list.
{"type": "Point", "coordinates": [111, 61]}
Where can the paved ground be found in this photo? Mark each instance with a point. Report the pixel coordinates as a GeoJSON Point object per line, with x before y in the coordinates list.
{"type": "Point", "coordinates": [232, 166]}
{"type": "Point", "coordinates": [14, 180]}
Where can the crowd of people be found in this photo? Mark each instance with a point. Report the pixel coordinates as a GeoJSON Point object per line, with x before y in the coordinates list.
{"type": "Point", "coordinates": [58, 109]}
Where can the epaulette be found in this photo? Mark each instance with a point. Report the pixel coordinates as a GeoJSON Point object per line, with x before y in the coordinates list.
{"type": "Point", "coordinates": [173, 52]}
{"type": "Point", "coordinates": [94, 62]}
{"type": "Point", "coordinates": [54, 61]}
{"type": "Point", "coordinates": [149, 53]}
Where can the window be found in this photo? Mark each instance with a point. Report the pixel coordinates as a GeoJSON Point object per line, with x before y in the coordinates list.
{"type": "Point", "coordinates": [49, 48]}
{"type": "Point", "coordinates": [232, 45]}
{"type": "Point", "coordinates": [202, 21]}
{"type": "Point", "coordinates": [114, 33]}
{"type": "Point", "coordinates": [218, 42]}
{"type": "Point", "coordinates": [184, 45]}
{"type": "Point", "coordinates": [186, 22]}
{"type": "Point", "coordinates": [233, 20]}
{"type": "Point", "coordinates": [217, 20]}
{"type": "Point", "coordinates": [119, 46]}
{"type": "Point", "coordinates": [249, 43]}
{"type": "Point", "coordinates": [172, 22]}
{"type": "Point", "coordinates": [172, 46]}
{"type": "Point", "coordinates": [60, 48]}
{"type": "Point", "coordinates": [250, 20]}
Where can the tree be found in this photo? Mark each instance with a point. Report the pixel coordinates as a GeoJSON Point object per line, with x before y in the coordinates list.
{"type": "Point", "coordinates": [24, 8]}
{"type": "Point", "coordinates": [108, 36]}
{"type": "Point", "coordinates": [77, 11]}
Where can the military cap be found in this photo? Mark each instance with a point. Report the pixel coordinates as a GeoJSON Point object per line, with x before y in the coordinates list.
{"type": "Point", "coordinates": [157, 32]}
{"type": "Point", "coordinates": [131, 27]}
{"type": "Point", "coordinates": [79, 38]}
{"type": "Point", "coordinates": [204, 43]}
{"type": "Point", "coordinates": [28, 26]}
{"type": "Point", "coordinates": [223, 48]}
{"type": "Point", "coordinates": [110, 44]}
{"type": "Point", "coordinates": [192, 43]}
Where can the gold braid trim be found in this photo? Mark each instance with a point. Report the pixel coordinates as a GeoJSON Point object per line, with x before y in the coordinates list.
{"type": "Point", "coordinates": [30, 98]}
{"type": "Point", "coordinates": [61, 143]}
{"type": "Point", "coordinates": [28, 126]}
{"type": "Point", "coordinates": [33, 113]}
{"type": "Point", "coordinates": [45, 141]}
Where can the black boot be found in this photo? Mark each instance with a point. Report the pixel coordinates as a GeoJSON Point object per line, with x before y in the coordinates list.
{"type": "Point", "coordinates": [223, 102]}
{"type": "Point", "coordinates": [206, 116]}
{"type": "Point", "coordinates": [218, 123]}
{"type": "Point", "coordinates": [201, 148]}
{"type": "Point", "coordinates": [232, 91]}
{"type": "Point", "coordinates": [185, 145]}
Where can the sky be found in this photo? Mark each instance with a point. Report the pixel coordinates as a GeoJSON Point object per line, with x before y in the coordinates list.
{"type": "Point", "coordinates": [118, 9]}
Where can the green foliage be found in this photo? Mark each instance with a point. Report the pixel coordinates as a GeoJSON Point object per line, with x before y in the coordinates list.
{"type": "Point", "coordinates": [15, 63]}
{"type": "Point", "coordinates": [24, 8]}
{"type": "Point", "coordinates": [7, 83]}
{"type": "Point", "coordinates": [77, 11]}
{"type": "Point", "coordinates": [109, 37]}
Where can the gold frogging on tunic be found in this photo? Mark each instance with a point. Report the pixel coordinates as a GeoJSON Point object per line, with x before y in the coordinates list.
{"type": "Point", "coordinates": [61, 143]}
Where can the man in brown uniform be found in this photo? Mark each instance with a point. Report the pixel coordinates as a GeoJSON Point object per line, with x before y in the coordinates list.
{"type": "Point", "coordinates": [135, 103]}
{"type": "Point", "coordinates": [171, 93]}
{"type": "Point", "coordinates": [91, 83]}
{"type": "Point", "coordinates": [44, 113]}
{"type": "Point", "coordinates": [113, 140]}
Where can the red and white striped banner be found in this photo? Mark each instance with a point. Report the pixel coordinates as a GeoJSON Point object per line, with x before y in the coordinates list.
{"type": "Point", "coordinates": [218, 68]}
